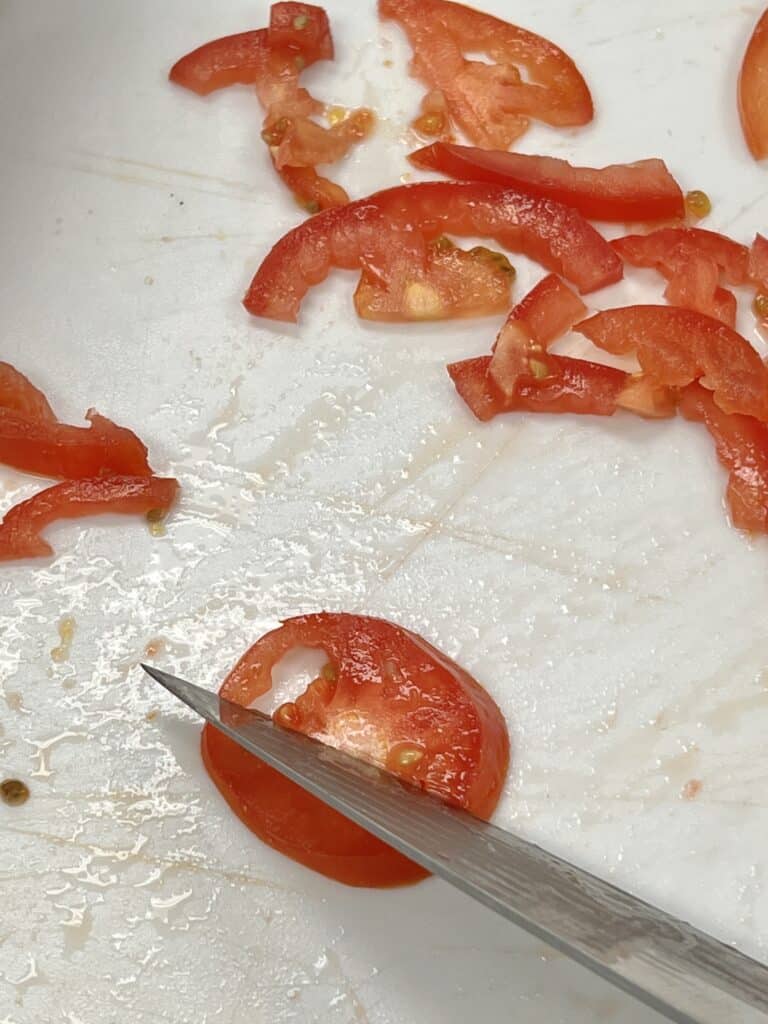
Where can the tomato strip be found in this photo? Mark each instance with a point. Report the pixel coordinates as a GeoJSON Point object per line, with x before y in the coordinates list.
{"type": "Point", "coordinates": [641, 191]}
{"type": "Point", "coordinates": [386, 696]}
{"type": "Point", "coordinates": [667, 249]}
{"type": "Point", "coordinates": [378, 230]}
{"type": "Point", "coordinates": [490, 103]}
{"type": "Point", "coordinates": [742, 447]}
{"type": "Point", "coordinates": [21, 528]}
{"type": "Point", "coordinates": [678, 346]}
{"type": "Point", "coordinates": [240, 59]}
{"type": "Point", "coordinates": [18, 394]}
{"type": "Point", "coordinates": [753, 90]}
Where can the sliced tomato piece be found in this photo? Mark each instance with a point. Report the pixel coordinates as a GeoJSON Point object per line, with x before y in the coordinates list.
{"type": "Point", "coordinates": [272, 59]}
{"type": "Point", "coordinates": [641, 191]}
{"type": "Point", "coordinates": [22, 526]}
{"type": "Point", "coordinates": [678, 346]}
{"type": "Point", "coordinates": [568, 386]}
{"type": "Point", "coordinates": [490, 102]}
{"type": "Point", "coordinates": [454, 283]}
{"type": "Point", "coordinates": [59, 450]}
{"type": "Point", "coordinates": [18, 394]}
{"type": "Point", "coordinates": [668, 248]}
{"type": "Point", "coordinates": [693, 285]}
{"type": "Point", "coordinates": [742, 447]}
{"type": "Point", "coordinates": [302, 28]}
{"type": "Point", "coordinates": [758, 263]}
{"type": "Point", "coordinates": [232, 60]}
{"type": "Point", "coordinates": [753, 90]}
{"type": "Point", "coordinates": [393, 226]}
{"type": "Point", "coordinates": [386, 696]}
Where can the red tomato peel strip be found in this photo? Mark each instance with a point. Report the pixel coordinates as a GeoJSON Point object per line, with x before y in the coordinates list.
{"type": "Point", "coordinates": [19, 395]}
{"type": "Point", "coordinates": [570, 386]}
{"type": "Point", "coordinates": [742, 447]}
{"type": "Point", "coordinates": [694, 285]}
{"type": "Point", "coordinates": [390, 698]}
{"type": "Point", "coordinates": [678, 346]}
{"type": "Point", "coordinates": [232, 60]}
{"type": "Point", "coordinates": [667, 249]}
{"type": "Point", "coordinates": [753, 90]}
{"type": "Point", "coordinates": [390, 229]}
{"type": "Point", "coordinates": [21, 528]}
{"type": "Point", "coordinates": [641, 191]}
{"type": "Point", "coordinates": [489, 102]}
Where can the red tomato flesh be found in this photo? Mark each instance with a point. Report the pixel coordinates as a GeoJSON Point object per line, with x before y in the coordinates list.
{"type": "Point", "coordinates": [453, 283]}
{"type": "Point", "coordinates": [392, 227]}
{"type": "Point", "coordinates": [667, 248]}
{"type": "Point", "coordinates": [388, 697]}
{"type": "Point", "coordinates": [641, 191]}
{"type": "Point", "coordinates": [678, 346]}
{"type": "Point", "coordinates": [570, 386]}
{"type": "Point", "coordinates": [753, 90]}
{"type": "Point", "coordinates": [694, 286]}
{"type": "Point", "coordinates": [232, 60]}
{"type": "Point", "coordinates": [742, 447]}
{"type": "Point", "coordinates": [303, 28]}
{"type": "Point", "coordinates": [21, 528]}
{"type": "Point", "coordinates": [490, 102]}
{"type": "Point", "coordinates": [758, 263]}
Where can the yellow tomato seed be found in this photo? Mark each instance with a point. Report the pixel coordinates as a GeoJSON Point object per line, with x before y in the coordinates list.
{"type": "Point", "coordinates": [538, 369]}
{"type": "Point", "coordinates": [300, 21]}
{"type": "Point", "coordinates": [698, 203]}
{"type": "Point", "coordinates": [760, 306]}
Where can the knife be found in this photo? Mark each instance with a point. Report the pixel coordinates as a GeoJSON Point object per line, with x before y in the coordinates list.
{"type": "Point", "coordinates": [669, 965]}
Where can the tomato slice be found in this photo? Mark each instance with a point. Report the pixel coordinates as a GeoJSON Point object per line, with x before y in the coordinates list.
{"type": "Point", "coordinates": [18, 394]}
{"type": "Point", "coordinates": [386, 696]}
{"type": "Point", "coordinates": [742, 447]}
{"type": "Point", "coordinates": [753, 90]}
{"type": "Point", "coordinates": [272, 59]}
{"type": "Point", "coordinates": [758, 263]}
{"type": "Point", "coordinates": [641, 191]}
{"type": "Point", "coordinates": [694, 286]}
{"type": "Point", "coordinates": [232, 60]}
{"type": "Point", "coordinates": [678, 346]}
{"type": "Point", "coordinates": [668, 248]}
{"type": "Point", "coordinates": [569, 386]}
{"type": "Point", "coordinates": [392, 227]}
{"type": "Point", "coordinates": [490, 102]}
{"type": "Point", "coordinates": [59, 450]}
{"type": "Point", "coordinates": [21, 528]}
{"type": "Point", "coordinates": [453, 283]}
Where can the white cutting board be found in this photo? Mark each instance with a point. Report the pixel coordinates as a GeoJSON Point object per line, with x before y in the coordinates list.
{"type": "Point", "coordinates": [582, 569]}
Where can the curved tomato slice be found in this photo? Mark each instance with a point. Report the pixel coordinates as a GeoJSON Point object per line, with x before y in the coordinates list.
{"type": "Point", "coordinates": [567, 386]}
{"type": "Point", "coordinates": [232, 60]}
{"type": "Point", "coordinates": [742, 447]}
{"type": "Point", "coordinates": [392, 227]}
{"type": "Point", "coordinates": [644, 190]}
{"type": "Point", "coordinates": [18, 394]}
{"type": "Point", "coordinates": [668, 248]}
{"type": "Point", "coordinates": [678, 346]}
{"type": "Point", "coordinates": [753, 90]}
{"type": "Point", "coordinates": [272, 59]}
{"type": "Point", "coordinates": [490, 102]}
{"type": "Point", "coordinates": [453, 283]}
{"type": "Point", "coordinates": [386, 696]}
{"type": "Point", "coordinates": [694, 286]}
{"type": "Point", "coordinates": [21, 528]}
{"type": "Point", "coordinates": [59, 450]}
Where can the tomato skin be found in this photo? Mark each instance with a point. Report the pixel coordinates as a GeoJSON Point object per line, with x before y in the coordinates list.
{"type": "Point", "coordinates": [397, 223]}
{"type": "Point", "coordinates": [678, 346]}
{"type": "Point", "coordinates": [388, 689]}
{"type": "Point", "coordinates": [453, 283]}
{"type": "Point", "coordinates": [549, 310]}
{"type": "Point", "coordinates": [490, 103]}
{"type": "Point", "coordinates": [641, 191]}
{"type": "Point", "coordinates": [753, 90]}
{"type": "Point", "coordinates": [21, 528]}
{"type": "Point", "coordinates": [232, 60]}
{"type": "Point", "coordinates": [758, 263]}
{"type": "Point", "coordinates": [19, 395]}
{"type": "Point", "coordinates": [666, 249]}
{"type": "Point", "coordinates": [59, 450]}
{"type": "Point", "coordinates": [742, 447]}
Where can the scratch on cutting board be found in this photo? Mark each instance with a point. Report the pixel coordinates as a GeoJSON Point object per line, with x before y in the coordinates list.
{"type": "Point", "coordinates": [120, 169]}
{"type": "Point", "coordinates": [196, 175]}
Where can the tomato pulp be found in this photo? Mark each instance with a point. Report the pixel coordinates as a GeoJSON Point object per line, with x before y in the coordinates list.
{"type": "Point", "coordinates": [386, 696]}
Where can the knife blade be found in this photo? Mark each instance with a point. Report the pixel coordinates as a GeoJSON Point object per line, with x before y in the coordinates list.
{"type": "Point", "coordinates": [669, 965]}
